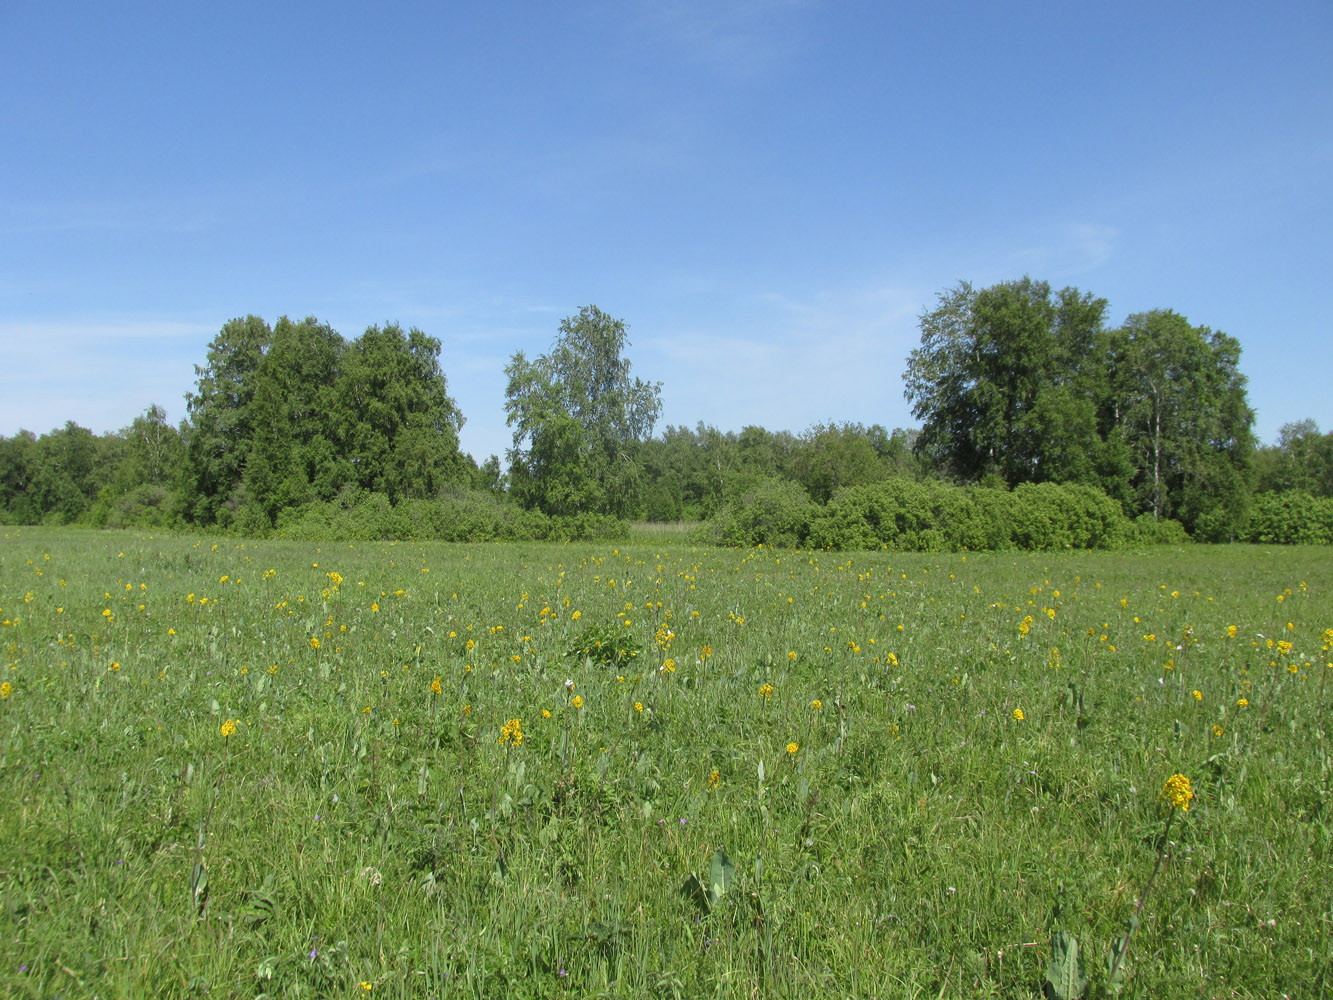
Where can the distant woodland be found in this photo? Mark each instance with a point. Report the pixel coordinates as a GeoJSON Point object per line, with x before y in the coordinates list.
{"type": "Point", "coordinates": [1042, 426]}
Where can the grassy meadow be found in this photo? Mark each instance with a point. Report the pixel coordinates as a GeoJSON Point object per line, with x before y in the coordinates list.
{"type": "Point", "coordinates": [243, 769]}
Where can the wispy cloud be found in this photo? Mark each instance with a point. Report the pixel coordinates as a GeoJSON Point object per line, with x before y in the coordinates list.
{"type": "Point", "coordinates": [740, 40]}
{"type": "Point", "coordinates": [835, 355]}
{"type": "Point", "coordinates": [1066, 251]}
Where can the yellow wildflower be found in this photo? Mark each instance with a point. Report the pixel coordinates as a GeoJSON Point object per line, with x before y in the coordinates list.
{"type": "Point", "coordinates": [512, 731]}
{"type": "Point", "coordinates": [1177, 792]}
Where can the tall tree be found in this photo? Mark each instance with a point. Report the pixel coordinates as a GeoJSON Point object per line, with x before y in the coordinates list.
{"type": "Point", "coordinates": [402, 428]}
{"type": "Point", "coordinates": [1004, 382]}
{"type": "Point", "coordinates": [295, 420]}
{"type": "Point", "coordinates": [18, 466]}
{"type": "Point", "coordinates": [1302, 459]}
{"type": "Point", "coordinates": [1181, 405]}
{"type": "Point", "coordinates": [64, 481]}
{"type": "Point", "coordinates": [220, 419]}
{"type": "Point", "coordinates": [579, 419]}
{"type": "Point", "coordinates": [153, 450]}
{"type": "Point", "coordinates": [831, 456]}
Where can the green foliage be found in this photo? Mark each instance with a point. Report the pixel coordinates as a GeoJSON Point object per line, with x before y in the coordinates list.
{"type": "Point", "coordinates": [459, 514]}
{"type": "Point", "coordinates": [1065, 979]}
{"type": "Point", "coordinates": [1029, 386]}
{"type": "Point", "coordinates": [707, 892]}
{"type": "Point", "coordinates": [1302, 460]}
{"type": "Point", "coordinates": [148, 506]}
{"type": "Point", "coordinates": [606, 646]}
{"type": "Point", "coordinates": [295, 414]}
{"type": "Point", "coordinates": [905, 836]}
{"type": "Point", "coordinates": [1180, 400]}
{"type": "Point", "coordinates": [937, 517]}
{"type": "Point", "coordinates": [1067, 516]}
{"type": "Point", "coordinates": [579, 420]}
{"type": "Point", "coordinates": [1149, 530]}
{"type": "Point", "coordinates": [829, 457]}
{"type": "Point", "coordinates": [762, 511]}
{"type": "Point", "coordinates": [1004, 381]}
{"type": "Point", "coordinates": [1291, 518]}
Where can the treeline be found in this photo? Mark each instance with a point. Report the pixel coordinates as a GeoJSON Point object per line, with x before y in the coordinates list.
{"type": "Point", "coordinates": [1041, 426]}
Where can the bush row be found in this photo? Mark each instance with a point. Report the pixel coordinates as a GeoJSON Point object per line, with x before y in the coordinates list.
{"type": "Point", "coordinates": [461, 516]}
{"type": "Point", "coordinates": [901, 514]}
{"type": "Point", "coordinates": [1289, 518]}
{"type": "Point", "coordinates": [458, 515]}
{"type": "Point", "coordinates": [907, 515]}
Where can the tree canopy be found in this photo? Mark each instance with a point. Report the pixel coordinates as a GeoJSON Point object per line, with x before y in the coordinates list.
{"type": "Point", "coordinates": [1023, 385]}
{"type": "Point", "coordinates": [579, 420]}
{"type": "Point", "coordinates": [1018, 386]}
{"type": "Point", "coordinates": [295, 413]}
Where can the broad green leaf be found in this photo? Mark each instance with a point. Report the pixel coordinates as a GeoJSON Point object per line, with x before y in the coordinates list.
{"type": "Point", "coordinates": [721, 873]}
{"type": "Point", "coordinates": [1064, 975]}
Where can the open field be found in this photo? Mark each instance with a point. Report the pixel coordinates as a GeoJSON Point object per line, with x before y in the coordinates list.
{"type": "Point", "coordinates": [232, 768]}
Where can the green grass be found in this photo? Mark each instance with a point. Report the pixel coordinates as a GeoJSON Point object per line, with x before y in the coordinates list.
{"type": "Point", "coordinates": [920, 841]}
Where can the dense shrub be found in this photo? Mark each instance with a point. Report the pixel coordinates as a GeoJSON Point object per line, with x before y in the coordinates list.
{"type": "Point", "coordinates": [1067, 516]}
{"type": "Point", "coordinates": [1289, 518]}
{"type": "Point", "coordinates": [146, 506]}
{"type": "Point", "coordinates": [894, 513]}
{"type": "Point", "coordinates": [766, 510]}
{"type": "Point", "coordinates": [1149, 530]}
{"type": "Point", "coordinates": [907, 515]}
{"type": "Point", "coordinates": [458, 515]}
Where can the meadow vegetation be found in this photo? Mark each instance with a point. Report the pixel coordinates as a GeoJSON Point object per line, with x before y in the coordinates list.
{"type": "Point", "coordinates": [655, 768]}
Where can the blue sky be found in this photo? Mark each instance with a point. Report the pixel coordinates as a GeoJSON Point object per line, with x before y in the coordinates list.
{"type": "Point", "coordinates": [769, 192]}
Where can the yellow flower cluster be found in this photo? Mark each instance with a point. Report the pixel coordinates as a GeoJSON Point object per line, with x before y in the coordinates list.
{"type": "Point", "coordinates": [511, 732]}
{"type": "Point", "coordinates": [1177, 792]}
